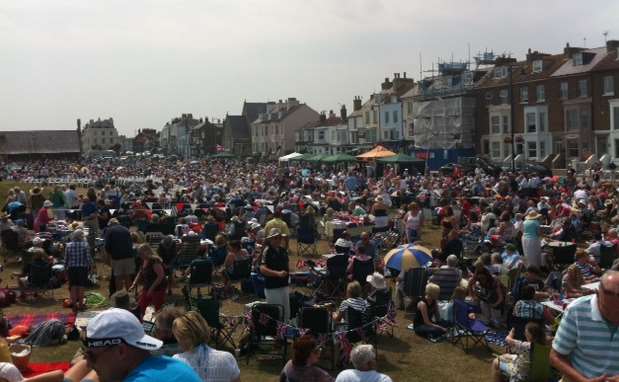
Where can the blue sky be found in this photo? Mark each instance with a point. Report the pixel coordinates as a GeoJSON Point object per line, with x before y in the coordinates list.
{"type": "Point", "coordinates": [146, 61]}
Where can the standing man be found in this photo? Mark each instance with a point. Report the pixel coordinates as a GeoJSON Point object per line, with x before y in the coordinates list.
{"type": "Point", "coordinates": [117, 348]}
{"type": "Point", "coordinates": [119, 246]}
{"type": "Point", "coordinates": [587, 341]}
{"type": "Point", "coordinates": [275, 269]}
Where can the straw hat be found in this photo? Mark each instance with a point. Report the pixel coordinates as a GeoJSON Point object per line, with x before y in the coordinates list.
{"type": "Point", "coordinates": [532, 215]}
{"type": "Point", "coordinates": [123, 300]}
{"type": "Point", "coordinates": [377, 281]}
{"type": "Point", "coordinates": [35, 191]}
{"type": "Point", "coordinates": [275, 232]}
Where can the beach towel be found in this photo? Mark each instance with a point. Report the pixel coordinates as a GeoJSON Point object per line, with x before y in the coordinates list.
{"type": "Point", "coordinates": [35, 369]}
{"type": "Point", "coordinates": [32, 319]}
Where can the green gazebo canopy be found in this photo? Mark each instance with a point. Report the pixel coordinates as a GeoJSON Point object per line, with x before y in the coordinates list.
{"type": "Point", "coordinates": [338, 158]}
{"type": "Point", "coordinates": [224, 155]}
{"type": "Point", "coordinates": [400, 158]}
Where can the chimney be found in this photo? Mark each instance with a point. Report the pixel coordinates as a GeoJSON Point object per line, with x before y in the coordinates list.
{"type": "Point", "coordinates": [404, 75]}
{"type": "Point", "coordinates": [331, 114]}
{"type": "Point", "coordinates": [343, 113]}
{"type": "Point", "coordinates": [569, 51]}
{"type": "Point", "coordinates": [386, 85]}
{"type": "Point", "coordinates": [323, 117]}
{"type": "Point", "coordinates": [612, 46]}
{"type": "Point", "coordinates": [356, 103]}
{"type": "Point", "coordinates": [79, 124]}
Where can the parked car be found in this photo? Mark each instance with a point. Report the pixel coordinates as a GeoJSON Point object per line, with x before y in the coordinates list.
{"type": "Point", "coordinates": [469, 164]}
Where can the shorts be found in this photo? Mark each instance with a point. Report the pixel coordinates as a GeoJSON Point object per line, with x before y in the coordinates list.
{"type": "Point", "coordinates": [123, 267]}
{"type": "Point", "coordinates": [78, 276]}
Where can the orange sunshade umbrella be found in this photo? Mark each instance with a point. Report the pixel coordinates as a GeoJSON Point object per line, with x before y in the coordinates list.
{"type": "Point", "coordinates": [377, 152]}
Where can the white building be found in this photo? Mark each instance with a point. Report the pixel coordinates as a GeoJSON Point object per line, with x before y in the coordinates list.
{"type": "Point", "coordinates": [99, 135]}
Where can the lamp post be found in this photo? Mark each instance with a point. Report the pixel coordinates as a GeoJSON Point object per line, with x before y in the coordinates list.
{"type": "Point", "coordinates": [512, 113]}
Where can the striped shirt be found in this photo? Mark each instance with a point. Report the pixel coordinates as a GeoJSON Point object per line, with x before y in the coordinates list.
{"type": "Point", "coordinates": [590, 343]}
{"type": "Point", "coordinates": [77, 254]}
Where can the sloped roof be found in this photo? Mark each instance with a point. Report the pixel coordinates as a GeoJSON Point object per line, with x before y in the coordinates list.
{"type": "Point", "coordinates": [522, 72]}
{"type": "Point", "coordinates": [569, 68]}
{"type": "Point", "coordinates": [39, 142]}
{"type": "Point", "coordinates": [251, 110]}
{"type": "Point", "coordinates": [239, 128]}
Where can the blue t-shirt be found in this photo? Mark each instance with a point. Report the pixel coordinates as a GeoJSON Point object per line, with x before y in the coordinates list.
{"type": "Point", "coordinates": [164, 369]}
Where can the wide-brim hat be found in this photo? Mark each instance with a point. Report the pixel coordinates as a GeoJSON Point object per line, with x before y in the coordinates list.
{"type": "Point", "coordinates": [275, 232]}
{"type": "Point", "coordinates": [533, 215]}
{"type": "Point", "coordinates": [341, 242]}
{"type": "Point", "coordinates": [48, 204]}
{"type": "Point", "coordinates": [377, 281]}
{"type": "Point", "coordinates": [123, 300]}
{"type": "Point", "coordinates": [35, 191]}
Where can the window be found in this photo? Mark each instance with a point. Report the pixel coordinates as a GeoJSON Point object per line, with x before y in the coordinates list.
{"type": "Point", "coordinates": [609, 86]}
{"type": "Point", "coordinates": [395, 116]}
{"type": "Point", "coordinates": [489, 96]}
{"type": "Point", "coordinates": [541, 94]}
{"type": "Point", "coordinates": [572, 148]}
{"type": "Point", "coordinates": [531, 125]}
{"type": "Point", "coordinates": [542, 149]}
{"type": "Point", "coordinates": [495, 122]}
{"type": "Point", "coordinates": [505, 124]}
{"type": "Point", "coordinates": [507, 149]}
{"type": "Point", "coordinates": [386, 117]}
{"type": "Point", "coordinates": [367, 117]}
{"type": "Point", "coordinates": [616, 118]}
{"type": "Point", "coordinates": [333, 136]}
{"type": "Point", "coordinates": [531, 149]}
{"type": "Point", "coordinates": [321, 135]}
{"type": "Point", "coordinates": [385, 134]}
{"type": "Point", "coordinates": [577, 58]}
{"type": "Point", "coordinates": [411, 129]}
{"type": "Point", "coordinates": [409, 107]}
{"type": "Point", "coordinates": [538, 66]}
{"type": "Point", "coordinates": [524, 94]}
{"type": "Point", "coordinates": [519, 148]}
{"type": "Point", "coordinates": [396, 134]}
{"type": "Point", "coordinates": [563, 90]}
{"type": "Point", "coordinates": [500, 72]}
{"type": "Point", "coordinates": [486, 147]}
{"type": "Point", "coordinates": [616, 148]}
{"type": "Point", "coordinates": [571, 119]}
{"type": "Point", "coordinates": [583, 88]}
{"type": "Point", "coordinates": [503, 94]}
{"type": "Point", "coordinates": [542, 121]}
{"type": "Point", "coordinates": [496, 150]}
{"type": "Point", "coordinates": [373, 116]}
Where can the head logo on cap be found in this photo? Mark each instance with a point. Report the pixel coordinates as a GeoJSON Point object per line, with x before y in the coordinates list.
{"type": "Point", "coordinates": [115, 326]}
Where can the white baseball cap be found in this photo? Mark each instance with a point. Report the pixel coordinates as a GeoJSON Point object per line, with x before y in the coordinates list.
{"type": "Point", "coordinates": [115, 326]}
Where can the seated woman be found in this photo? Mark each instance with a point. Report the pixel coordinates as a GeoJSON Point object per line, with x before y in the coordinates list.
{"type": "Point", "coordinates": [380, 295]}
{"type": "Point", "coordinates": [488, 291]}
{"type": "Point", "coordinates": [573, 279]}
{"type": "Point", "coordinates": [426, 318]}
{"type": "Point", "coordinates": [353, 301]}
{"type": "Point", "coordinates": [192, 333]}
{"type": "Point", "coordinates": [515, 366]}
{"type": "Point", "coordinates": [38, 272]}
{"type": "Point", "coordinates": [235, 254]}
{"type": "Point", "coordinates": [302, 367]}
{"type": "Point", "coordinates": [358, 256]}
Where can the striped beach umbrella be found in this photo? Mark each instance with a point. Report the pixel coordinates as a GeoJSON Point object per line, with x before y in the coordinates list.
{"type": "Point", "coordinates": [408, 256]}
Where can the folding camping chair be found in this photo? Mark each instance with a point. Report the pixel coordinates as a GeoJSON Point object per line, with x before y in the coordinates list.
{"type": "Point", "coordinates": [209, 309]}
{"type": "Point", "coordinates": [200, 275]}
{"type": "Point", "coordinates": [415, 280]}
{"type": "Point", "coordinates": [564, 255]}
{"type": "Point", "coordinates": [266, 319]}
{"type": "Point", "coordinates": [307, 239]}
{"type": "Point", "coordinates": [331, 279]}
{"type": "Point", "coordinates": [361, 270]}
{"type": "Point", "coordinates": [154, 238]}
{"type": "Point", "coordinates": [317, 320]}
{"type": "Point", "coordinates": [608, 254]}
{"type": "Point", "coordinates": [466, 328]}
{"type": "Point", "coordinates": [360, 329]}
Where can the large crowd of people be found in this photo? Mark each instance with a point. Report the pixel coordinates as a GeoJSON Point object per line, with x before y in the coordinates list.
{"type": "Point", "coordinates": [499, 245]}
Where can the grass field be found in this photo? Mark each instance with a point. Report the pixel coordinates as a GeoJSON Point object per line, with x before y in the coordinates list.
{"type": "Point", "coordinates": [405, 357]}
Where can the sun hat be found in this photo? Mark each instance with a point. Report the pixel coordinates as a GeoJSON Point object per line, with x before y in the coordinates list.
{"type": "Point", "coordinates": [275, 232]}
{"type": "Point", "coordinates": [123, 300]}
{"type": "Point", "coordinates": [532, 215]}
{"type": "Point", "coordinates": [341, 242]}
{"type": "Point", "coordinates": [376, 280]}
{"type": "Point", "coordinates": [47, 204]}
{"type": "Point", "coordinates": [115, 326]}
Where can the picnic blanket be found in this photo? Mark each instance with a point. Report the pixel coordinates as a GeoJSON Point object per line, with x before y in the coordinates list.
{"type": "Point", "coordinates": [35, 369]}
{"type": "Point", "coordinates": [32, 319]}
